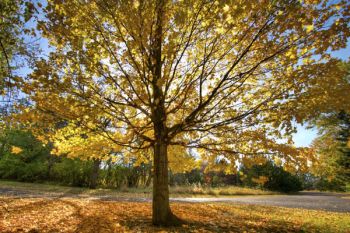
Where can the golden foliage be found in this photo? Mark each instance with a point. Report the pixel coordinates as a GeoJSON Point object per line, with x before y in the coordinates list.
{"type": "Point", "coordinates": [224, 78]}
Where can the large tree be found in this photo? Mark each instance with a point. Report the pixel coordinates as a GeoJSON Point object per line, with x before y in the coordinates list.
{"type": "Point", "coordinates": [218, 79]}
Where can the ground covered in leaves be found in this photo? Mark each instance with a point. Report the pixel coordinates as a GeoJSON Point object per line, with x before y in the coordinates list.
{"type": "Point", "coordinates": [79, 215]}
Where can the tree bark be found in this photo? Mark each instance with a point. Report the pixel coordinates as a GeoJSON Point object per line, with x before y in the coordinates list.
{"type": "Point", "coordinates": [162, 214]}
{"type": "Point", "coordinates": [160, 205]}
{"type": "Point", "coordinates": [94, 173]}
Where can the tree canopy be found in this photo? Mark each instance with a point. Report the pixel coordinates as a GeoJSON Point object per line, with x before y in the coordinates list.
{"type": "Point", "coordinates": [211, 79]}
{"type": "Point", "coordinates": [13, 49]}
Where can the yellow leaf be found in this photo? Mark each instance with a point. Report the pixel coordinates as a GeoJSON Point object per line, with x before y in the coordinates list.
{"type": "Point", "coordinates": [226, 8]}
{"type": "Point", "coordinates": [309, 28]}
{"type": "Point", "coordinates": [16, 150]}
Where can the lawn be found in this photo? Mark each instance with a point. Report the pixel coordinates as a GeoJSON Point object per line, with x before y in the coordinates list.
{"type": "Point", "coordinates": [81, 215]}
{"type": "Point", "coordinates": [176, 191]}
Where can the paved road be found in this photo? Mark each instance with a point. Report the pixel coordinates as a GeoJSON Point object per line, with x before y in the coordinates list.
{"type": "Point", "coordinates": [305, 200]}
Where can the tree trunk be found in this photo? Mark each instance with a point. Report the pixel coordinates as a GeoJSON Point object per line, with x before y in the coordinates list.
{"type": "Point", "coordinates": [94, 173]}
{"type": "Point", "coordinates": [149, 176]}
{"type": "Point", "coordinates": [51, 162]}
{"type": "Point", "coordinates": [160, 205]}
{"type": "Point", "coordinates": [162, 214]}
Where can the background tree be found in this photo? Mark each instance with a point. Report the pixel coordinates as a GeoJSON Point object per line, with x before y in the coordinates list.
{"type": "Point", "coordinates": [22, 156]}
{"type": "Point", "coordinates": [221, 78]}
{"type": "Point", "coordinates": [14, 14]}
{"type": "Point", "coordinates": [333, 151]}
{"type": "Point", "coordinates": [25, 158]}
{"type": "Point", "coordinates": [332, 145]}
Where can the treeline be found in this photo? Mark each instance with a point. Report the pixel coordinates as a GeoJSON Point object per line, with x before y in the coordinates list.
{"type": "Point", "coordinates": [24, 158]}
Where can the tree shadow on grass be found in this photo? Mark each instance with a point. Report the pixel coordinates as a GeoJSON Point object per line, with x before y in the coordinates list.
{"type": "Point", "coordinates": [75, 215]}
{"type": "Point", "coordinates": [237, 224]}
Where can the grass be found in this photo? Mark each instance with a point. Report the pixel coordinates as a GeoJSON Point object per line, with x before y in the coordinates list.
{"type": "Point", "coordinates": [81, 215]}
{"type": "Point", "coordinates": [218, 191]}
{"type": "Point", "coordinates": [176, 191]}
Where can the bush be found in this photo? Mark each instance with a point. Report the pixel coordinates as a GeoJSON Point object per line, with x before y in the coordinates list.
{"type": "Point", "coordinates": [73, 172]}
{"type": "Point", "coordinates": [188, 178]}
{"type": "Point", "coordinates": [30, 164]}
{"type": "Point", "coordinates": [330, 185]}
{"type": "Point", "coordinates": [277, 178]}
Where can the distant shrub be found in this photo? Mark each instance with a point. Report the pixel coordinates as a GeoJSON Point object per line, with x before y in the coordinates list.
{"type": "Point", "coordinates": [73, 172]}
{"type": "Point", "coordinates": [28, 163]}
{"type": "Point", "coordinates": [275, 178]}
{"type": "Point", "coordinates": [330, 185]}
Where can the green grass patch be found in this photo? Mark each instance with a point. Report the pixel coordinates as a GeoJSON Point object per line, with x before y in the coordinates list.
{"type": "Point", "coordinates": [175, 191]}
{"type": "Point", "coordinates": [218, 191]}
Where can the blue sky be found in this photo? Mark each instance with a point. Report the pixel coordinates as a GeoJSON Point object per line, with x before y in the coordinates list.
{"type": "Point", "coordinates": [304, 136]}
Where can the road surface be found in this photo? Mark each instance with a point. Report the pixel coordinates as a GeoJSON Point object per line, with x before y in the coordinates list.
{"type": "Point", "coordinates": [305, 200]}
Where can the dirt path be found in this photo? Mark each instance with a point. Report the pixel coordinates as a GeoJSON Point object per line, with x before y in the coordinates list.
{"type": "Point", "coordinates": [305, 200]}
